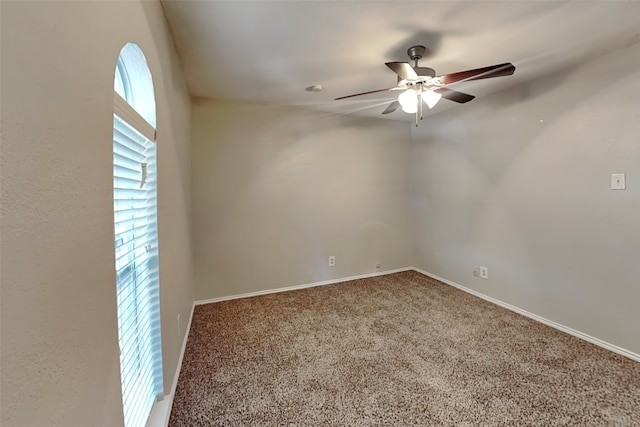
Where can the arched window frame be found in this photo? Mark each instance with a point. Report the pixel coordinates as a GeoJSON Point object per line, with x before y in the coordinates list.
{"type": "Point", "coordinates": [135, 237]}
{"type": "Point", "coordinates": [122, 77]}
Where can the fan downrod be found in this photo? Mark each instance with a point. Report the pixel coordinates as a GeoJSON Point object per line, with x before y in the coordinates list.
{"type": "Point", "coordinates": [416, 53]}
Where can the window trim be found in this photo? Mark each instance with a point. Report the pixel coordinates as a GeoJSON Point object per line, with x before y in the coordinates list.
{"type": "Point", "coordinates": [125, 111]}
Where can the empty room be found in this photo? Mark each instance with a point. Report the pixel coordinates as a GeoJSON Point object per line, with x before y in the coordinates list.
{"type": "Point", "coordinates": [306, 213]}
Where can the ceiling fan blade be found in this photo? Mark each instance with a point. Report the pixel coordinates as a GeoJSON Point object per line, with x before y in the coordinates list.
{"type": "Point", "coordinates": [499, 70]}
{"type": "Point", "coordinates": [391, 107]}
{"type": "Point", "coordinates": [454, 95]}
{"type": "Point", "coordinates": [403, 69]}
{"type": "Point", "coordinates": [367, 93]}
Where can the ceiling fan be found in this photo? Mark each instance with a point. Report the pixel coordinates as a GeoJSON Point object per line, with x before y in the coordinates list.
{"type": "Point", "coordinates": [417, 83]}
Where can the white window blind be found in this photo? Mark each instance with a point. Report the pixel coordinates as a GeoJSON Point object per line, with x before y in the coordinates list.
{"type": "Point", "coordinates": [136, 254]}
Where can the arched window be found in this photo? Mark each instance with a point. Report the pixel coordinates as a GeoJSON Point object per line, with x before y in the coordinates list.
{"type": "Point", "coordinates": [136, 236]}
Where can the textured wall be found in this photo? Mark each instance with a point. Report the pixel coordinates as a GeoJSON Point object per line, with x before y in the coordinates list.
{"type": "Point", "coordinates": [520, 182]}
{"type": "Point", "coordinates": [59, 358]}
{"type": "Point", "coordinates": [276, 191]}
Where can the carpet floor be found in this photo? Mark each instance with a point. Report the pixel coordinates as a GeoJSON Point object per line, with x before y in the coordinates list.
{"type": "Point", "coordinates": [401, 349]}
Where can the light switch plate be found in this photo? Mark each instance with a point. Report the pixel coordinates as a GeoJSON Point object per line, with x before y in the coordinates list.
{"type": "Point", "coordinates": [618, 181]}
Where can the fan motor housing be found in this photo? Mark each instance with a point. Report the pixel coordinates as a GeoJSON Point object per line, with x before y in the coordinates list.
{"type": "Point", "coordinates": [424, 74]}
{"type": "Point", "coordinates": [425, 71]}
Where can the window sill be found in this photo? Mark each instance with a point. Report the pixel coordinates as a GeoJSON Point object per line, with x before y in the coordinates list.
{"type": "Point", "coordinates": [159, 416]}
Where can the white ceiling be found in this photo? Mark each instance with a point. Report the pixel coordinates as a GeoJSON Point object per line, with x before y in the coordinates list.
{"type": "Point", "coordinates": [268, 52]}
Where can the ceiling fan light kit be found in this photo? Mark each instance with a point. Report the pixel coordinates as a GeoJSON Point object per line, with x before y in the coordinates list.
{"type": "Point", "coordinates": [421, 83]}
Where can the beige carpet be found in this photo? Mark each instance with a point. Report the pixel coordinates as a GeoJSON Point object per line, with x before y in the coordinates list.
{"type": "Point", "coordinates": [402, 350]}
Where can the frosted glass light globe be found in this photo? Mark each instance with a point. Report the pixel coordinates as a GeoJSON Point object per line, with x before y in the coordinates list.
{"type": "Point", "coordinates": [409, 101]}
{"type": "Point", "coordinates": [431, 98]}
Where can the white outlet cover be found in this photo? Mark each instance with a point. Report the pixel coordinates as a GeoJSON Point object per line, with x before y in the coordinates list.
{"type": "Point", "coordinates": [618, 181]}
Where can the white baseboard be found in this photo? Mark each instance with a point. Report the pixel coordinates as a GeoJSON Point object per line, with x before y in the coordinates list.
{"type": "Point", "coordinates": [308, 285]}
{"type": "Point", "coordinates": [566, 329]}
{"type": "Point", "coordinates": [179, 367]}
{"type": "Point", "coordinates": [162, 410]}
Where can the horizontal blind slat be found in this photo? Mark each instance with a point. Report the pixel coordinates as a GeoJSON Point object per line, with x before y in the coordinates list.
{"type": "Point", "coordinates": [124, 138]}
{"type": "Point", "coordinates": [129, 226]}
{"type": "Point", "coordinates": [128, 152]}
{"type": "Point", "coordinates": [124, 161]}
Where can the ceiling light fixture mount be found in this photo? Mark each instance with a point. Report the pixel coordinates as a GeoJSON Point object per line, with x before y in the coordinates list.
{"type": "Point", "coordinates": [416, 52]}
{"type": "Point", "coordinates": [314, 88]}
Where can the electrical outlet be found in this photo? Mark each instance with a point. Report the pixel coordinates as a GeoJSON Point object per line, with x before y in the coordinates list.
{"type": "Point", "coordinates": [484, 272]}
{"type": "Point", "coordinates": [332, 261]}
{"type": "Point", "coordinates": [378, 264]}
{"type": "Point", "coordinates": [476, 271]}
{"type": "Point", "coordinates": [618, 181]}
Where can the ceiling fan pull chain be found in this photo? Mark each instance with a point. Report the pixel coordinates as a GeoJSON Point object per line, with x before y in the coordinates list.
{"type": "Point", "coordinates": [420, 98]}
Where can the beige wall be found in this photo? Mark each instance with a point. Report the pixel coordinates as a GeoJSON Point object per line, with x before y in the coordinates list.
{"type": "Point", "coordinates": [520, 182]}
{"type": "Point", "coordinates": [278, 190]}
{"type": "Point", "coordinates": [59, 358]}
{"type": "Point", "coordinates": [517, 181]}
